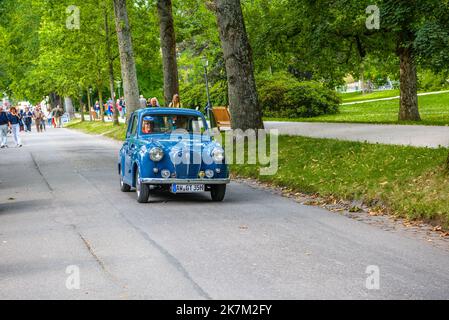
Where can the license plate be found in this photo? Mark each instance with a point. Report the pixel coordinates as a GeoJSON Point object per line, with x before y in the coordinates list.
{"type": "Point", "coordinates": [187, 188]}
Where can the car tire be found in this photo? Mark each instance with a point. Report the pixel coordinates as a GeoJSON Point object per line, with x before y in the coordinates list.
{"type": "Point", "coordinates": [218, 192]}
{"type": "Point", "coordinates": [142, 190]}
{"type": "Point", "coordinates": [123, 186]}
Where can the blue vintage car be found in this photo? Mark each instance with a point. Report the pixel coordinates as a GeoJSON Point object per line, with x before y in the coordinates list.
{"type": "Point", "coordinates": [167, 149]}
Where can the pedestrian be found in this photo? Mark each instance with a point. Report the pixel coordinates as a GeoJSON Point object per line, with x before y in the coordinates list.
{"type": "Point", "coordinates": [123, 103]}
{"type": "Point", "coordinates": [110, 109]}
{"type": "Point", "coordinates": [4, 126]}
{"type": "Point", "coordinates": [154, 103]}
{"type": "Point", "coordinates": [38, 119]}
{"type": "Point", "coordinates": [119, 107]}
{"type": "Point", "coordinates": [16, 123]}
{"type": "Point", "coordinates": [57, 114]}
{"type": "Point", "coordinates": [27, 118]}
{"type": "Point", "coordinates": [143, 102]}
{"type": "Point", "coordinates": [43, 122]}
{"type": "Point", "coordinates": [176, 102]}
{"type": "Point", "coordinates": [97, 109]}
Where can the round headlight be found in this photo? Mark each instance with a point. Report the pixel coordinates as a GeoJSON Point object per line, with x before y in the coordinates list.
{"type": "Point", "coordinates": [156, 154]}
{"type": "Point", "coordinates": [209, 173]}
{"type": "Point", "coordinates": [165, 174]}
{"type": "Point", "coordinates": [218, 155]}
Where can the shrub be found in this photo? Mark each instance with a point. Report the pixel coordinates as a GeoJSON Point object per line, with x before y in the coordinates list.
{"type": "Point", "coordinates": [194, 95]}
{"type": "Point", "coordinates": [429, 81]}
{"type": "Point", "coordinates": [283, 96]}
{"type": "Point", "coordinates": [219, 94]}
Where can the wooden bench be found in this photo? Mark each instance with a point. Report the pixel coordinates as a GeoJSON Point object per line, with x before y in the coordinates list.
{"type": "Point", "coordinates": [222, 117]}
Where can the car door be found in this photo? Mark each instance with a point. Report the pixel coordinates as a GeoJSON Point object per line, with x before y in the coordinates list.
{"type": "Point", "coordinates": [130, 148]}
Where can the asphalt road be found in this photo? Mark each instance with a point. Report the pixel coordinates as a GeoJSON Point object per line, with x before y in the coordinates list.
{"type": "Point", "coordinates": [60, 206]}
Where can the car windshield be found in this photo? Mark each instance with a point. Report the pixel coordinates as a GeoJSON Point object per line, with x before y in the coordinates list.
{"type": "Point", "coordinates": [152, 124]}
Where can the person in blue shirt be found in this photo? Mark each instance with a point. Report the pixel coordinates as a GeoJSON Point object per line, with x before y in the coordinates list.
{"type": "Point", "coordinates": [16, 122]}
{"type": "Point", "coordinates": [27, 117]}
{"type": "Point", "coordinates": [4, 125]}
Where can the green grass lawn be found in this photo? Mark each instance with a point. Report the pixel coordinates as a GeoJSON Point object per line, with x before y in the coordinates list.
{"type": "Point", "coordinates": [409, 182]}
{"type": "Point", "coordinates": [358, 96]}
{"type": "Point", "coordinates": [97, 127]}
{"type": "Point", "coordinates": [434, 110]}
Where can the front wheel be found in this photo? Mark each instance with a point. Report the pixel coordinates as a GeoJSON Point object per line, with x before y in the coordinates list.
{"type": "Point", "coordinates": [218, 192]}
{"type": "Point", "coordinates": [142, 190]}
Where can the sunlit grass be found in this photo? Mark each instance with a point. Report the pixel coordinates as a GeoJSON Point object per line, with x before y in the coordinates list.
{"type": "Point", "coordinates": [107, 129]}
{"type": "Point", "coordinates": [434, 110]}
{"type": "Point", "coordinates": [358, 96]}
{"type": "Point", "coordinates": [410, 182]}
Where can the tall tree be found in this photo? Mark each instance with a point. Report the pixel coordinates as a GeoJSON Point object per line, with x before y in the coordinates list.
{"type": "Point", "coordinates": [129, 75]}
{"type": "Point", "coordinates": [243, 99]}
{"type": "Point", "coordinates": [402, 18]}
{"type": "Point", "coordinates": [168, 46]}
{"type": "Point", "coordinates": [111, 59]}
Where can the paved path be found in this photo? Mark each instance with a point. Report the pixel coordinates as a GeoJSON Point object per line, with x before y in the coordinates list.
{"type": "Point", "coordinates": [417, 136]}
{"type": "Point", "coordinates": [60, 205]}
{"type": "Point", "coordinates": [391, 98]}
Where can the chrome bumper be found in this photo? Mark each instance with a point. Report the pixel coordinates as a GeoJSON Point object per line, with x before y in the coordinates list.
{"type": "Point", "coordinates": [184, 181]}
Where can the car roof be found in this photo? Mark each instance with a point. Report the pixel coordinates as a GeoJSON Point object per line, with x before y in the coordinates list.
{"type": "Point", "coordinates": [169, 111]}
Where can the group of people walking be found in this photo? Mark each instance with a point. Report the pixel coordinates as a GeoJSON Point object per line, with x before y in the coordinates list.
{"type": "Point", "coordinates": [14, 121]}
{"type": "Point", "coordinates": [109, 108]}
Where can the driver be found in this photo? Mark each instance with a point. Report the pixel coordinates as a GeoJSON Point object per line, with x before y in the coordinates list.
{"type": "Point", "coordinates": [147, 125]}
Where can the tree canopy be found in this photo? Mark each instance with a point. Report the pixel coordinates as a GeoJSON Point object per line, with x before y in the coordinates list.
{"type": "Point", "coordinates": [322, 41]}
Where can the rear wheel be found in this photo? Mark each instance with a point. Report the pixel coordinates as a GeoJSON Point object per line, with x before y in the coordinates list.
{"type": "Point", "coordinates": [218, 192]}
{"type": "Point", "coordinates": [123, 186]}
{"type": "Point", "coordinates": [142, 190]}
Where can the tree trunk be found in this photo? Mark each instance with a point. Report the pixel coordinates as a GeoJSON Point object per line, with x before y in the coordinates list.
{"type": "Point", "coordinates": [362, 78]}
{"type": "Point", "coordinates": [89, 104]}
{"type": "Point", "coordinates": [409, 92]}
{"type": "Point", "coordinates": [100, 99]}
{"type": "Point", "coordinates": [243, 98]}
{"type": "Point", "coordinates": [55, 100]}
{"type": "Point", "coordinates": [81, 109]}
{"type": "Point", "coordinates": [110, 66]}
{"type": "Point", "coordinates": [129, 76]}
{"type": "Point", "coordinates": [68, 103]}
{"type": "Point", "coordinates": [168, 46]}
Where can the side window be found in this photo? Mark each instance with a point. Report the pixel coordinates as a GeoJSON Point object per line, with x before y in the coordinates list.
{"type": "Point", "coordinates": [134, 126]}
{"type": "Point", "coordinates": [130, 124]}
